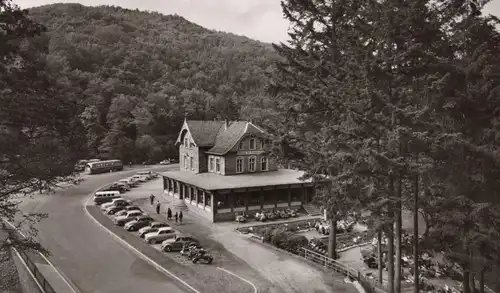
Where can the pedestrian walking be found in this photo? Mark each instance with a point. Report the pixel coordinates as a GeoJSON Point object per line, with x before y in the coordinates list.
{"type": "Point", "coordinates": [169, 214]}
{"type": "Point", "coordinates": [180, 217]}
{"type": "Point", "coordinates": [176, 217]}
{"type": "Point", "coordinates": [152, 199]}
{"type": "Point", "coordinates": [158, 207]}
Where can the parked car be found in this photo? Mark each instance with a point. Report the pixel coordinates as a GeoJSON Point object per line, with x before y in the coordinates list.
{"type": "Point", "coordinates": [153, 227]}
{"type": "Point", "coordinates": [127, 209]}
{"type": "Point", "coordinates": [129, 216]}
{"type": "Point", "coordinates": [117, 187]}
{"type": "Point", "coordinates": [112, 210]}
{"type": "Point", "coordinates": [130, 182]}
{"type": "Point", "coordinates": [176, 244]}
{"type": "Point", "coordinates": [140, 178]}
{"type": "Point", "coordinates": [161, 235]}
{"type": "Point", "coordinates": [138, 223]}
{"type": "Point", "coordinates": [148, 174]}
{"type": "Point", "coordinates": [114, 202]}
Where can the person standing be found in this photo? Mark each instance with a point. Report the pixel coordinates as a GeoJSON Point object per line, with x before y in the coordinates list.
{"type": "Point", "coordinates": [180, 217]}
{"type": "Point", "coordinates": [176, 217]}
{"type": "Point", "coordinates": [152, 199]}
{"type": "Point", "coordinates": [158, 207]}
{"type": "Point", "coordinates": [169, 214]}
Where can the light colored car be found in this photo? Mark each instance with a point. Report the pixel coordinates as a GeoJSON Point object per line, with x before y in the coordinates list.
{"type": "Point", "coordinates": [140, 178]}
{"type": "Point", "coordinates": [176, 244]}
{"type": "Point", "coordinates": [127, 209]}
{"type": "Point", "coordinates": [114, 202]}
{"type": "Point", "coordinates": [165, 162]}
{"type": "Point", "coordinates": [129, 216]}
{"type": "Point", "coordinates": [161, 235]}
{"type": "Point", "coordinates": [129, 181]}
{"type": "Point", "coordinates": [138, 223]}
{"type": "Point", "coordinates": [153, 227]}
{"type": "Point", "coordinates": [148, 174]}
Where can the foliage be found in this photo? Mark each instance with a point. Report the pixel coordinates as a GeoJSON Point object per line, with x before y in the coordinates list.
{"type": "Point", "coordinates": [378, 90]}
{"type": "Point", "coordinates": [41, 138]}
{"type": "Point", "coordinates": [285, 240]}
{"type": "Point", "coordinates": [139, 73]}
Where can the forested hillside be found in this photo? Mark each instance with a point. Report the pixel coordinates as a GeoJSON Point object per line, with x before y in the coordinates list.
{"type": "Point", "coordinates": [138, 73]}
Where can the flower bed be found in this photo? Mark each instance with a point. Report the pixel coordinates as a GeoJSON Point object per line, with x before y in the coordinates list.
{"type": "Point", "coordinates": [284, 236]}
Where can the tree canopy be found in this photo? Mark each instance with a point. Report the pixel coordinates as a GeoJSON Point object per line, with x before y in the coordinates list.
{"type": "Point", "coordinates": [138, 74]}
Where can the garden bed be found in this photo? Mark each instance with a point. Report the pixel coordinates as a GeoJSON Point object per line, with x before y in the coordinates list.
{"type": "Point", "coordinates": [289, 236]}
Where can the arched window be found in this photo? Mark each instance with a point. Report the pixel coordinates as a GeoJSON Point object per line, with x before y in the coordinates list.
{"type": "Point", "coordinates": [264, 164]}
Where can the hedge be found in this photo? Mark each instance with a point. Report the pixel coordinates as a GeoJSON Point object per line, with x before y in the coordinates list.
{"type": "Point", "coordinates": [285, 240]}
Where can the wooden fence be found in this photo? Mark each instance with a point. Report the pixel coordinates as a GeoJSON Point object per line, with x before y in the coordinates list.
{"type": "Point", "coordinates": [371, 286]}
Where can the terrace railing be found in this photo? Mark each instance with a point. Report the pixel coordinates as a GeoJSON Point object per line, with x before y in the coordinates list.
{"type": "Point", "coordinates": [371, 286]}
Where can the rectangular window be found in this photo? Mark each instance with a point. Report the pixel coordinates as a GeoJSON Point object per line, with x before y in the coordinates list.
{"type": "Point", "coordinates": [185, 162]}
{"type": "Point", "coordinates": [239, 165]}
{"type": "Point", "coordinates": [252, 143]}
{"type": "Point", "coordinates": [263, 164]}
{"type": "Point", "coordinates": [211, 164]}
{"type": "Point", "coordinates": [240, 147]}
{"type": "Point", "coordinates": [217, 165]}
{"type": "Point", "coordinates": [191, 163]}
{"type": "Point", "coordinates": [186, 142]}
{"type": "Point", "coordinates": [251, 164]}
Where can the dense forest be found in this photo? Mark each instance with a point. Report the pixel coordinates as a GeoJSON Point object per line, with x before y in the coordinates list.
{"type": "Point", "coordinates": [137, 74]}
{"type": "Point", "coordinates": [397, 102]}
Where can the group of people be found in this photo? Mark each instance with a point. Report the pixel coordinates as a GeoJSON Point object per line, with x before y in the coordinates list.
{"type": "Point", "coordinates": [178, 216]}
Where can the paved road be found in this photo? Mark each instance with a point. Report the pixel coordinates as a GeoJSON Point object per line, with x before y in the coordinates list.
{"type": "Point", "coordinates": [87, 256]}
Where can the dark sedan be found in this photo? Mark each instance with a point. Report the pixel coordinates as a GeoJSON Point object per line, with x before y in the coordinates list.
{"type": "Point", "coordinates": [138, 223]}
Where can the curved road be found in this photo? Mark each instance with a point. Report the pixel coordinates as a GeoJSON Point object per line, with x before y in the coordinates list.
{"type": "Point", "coordinates": [87, 256]}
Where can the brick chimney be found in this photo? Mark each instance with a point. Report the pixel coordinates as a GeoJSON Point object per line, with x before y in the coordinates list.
{"type": "Point", "coordinates": [225, 124]}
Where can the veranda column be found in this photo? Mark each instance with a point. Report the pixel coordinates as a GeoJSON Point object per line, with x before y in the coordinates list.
{"type": "Point", "coordinates": [246, 195]}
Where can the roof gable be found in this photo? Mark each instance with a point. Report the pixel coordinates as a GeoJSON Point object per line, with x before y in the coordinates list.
{"type": "Point", "coordinates": [228, 138]}
{"type": "Point", "coordinates": [203, 133]}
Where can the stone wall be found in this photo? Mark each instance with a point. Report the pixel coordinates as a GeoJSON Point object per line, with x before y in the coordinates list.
{"type": "Point", "coordinates": [9, 278]}
{"type": "Point", "coordinates": [27, 281]}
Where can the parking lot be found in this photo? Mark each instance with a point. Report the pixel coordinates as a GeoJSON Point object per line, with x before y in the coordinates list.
{"type": "Point", "coordinates": [269, 271]}
{"type": "Point", "coordinates": [203, 277]}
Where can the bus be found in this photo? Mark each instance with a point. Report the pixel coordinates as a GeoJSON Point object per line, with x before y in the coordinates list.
{"type": "Point", "coordinates": [103, 166]}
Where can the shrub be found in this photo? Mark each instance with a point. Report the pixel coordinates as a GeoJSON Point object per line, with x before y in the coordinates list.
{"type": "Point", "coordinates": [296, 242]}
{"type": "Point", "coordinates": [279, 238]}
{"type": "Point", "coordinates": [267, 233]}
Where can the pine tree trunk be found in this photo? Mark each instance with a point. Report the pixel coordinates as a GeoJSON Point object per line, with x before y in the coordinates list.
{"type": "Point", "coordinates": [465, 284]}
{"type": "Point", "coordinates": [416, 252]}
{"type": "Point", "coordinates": [379, 255]}
{"type": "Point", "coordinates": [472, 283]}
{"type": "Point", "coordinates": [390, 239]}
{"type": "Point", "coordinates": [397, 235]}
{"type": "Point", "coordinates": [332, 239]}
{"type": "Point", "coordinates": [481, 281]}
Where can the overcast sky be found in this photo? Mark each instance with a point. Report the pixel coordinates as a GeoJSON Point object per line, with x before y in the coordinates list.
{"type": "Point", "coordinates": [257, 19]}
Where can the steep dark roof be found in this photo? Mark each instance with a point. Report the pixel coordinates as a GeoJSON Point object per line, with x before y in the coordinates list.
{"type": "Point", "coordinates": [213, 134]}
{"type": "Point", "coordinates": [204, 133]}
{"type": "Point", "coordinates": [226, 139]}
